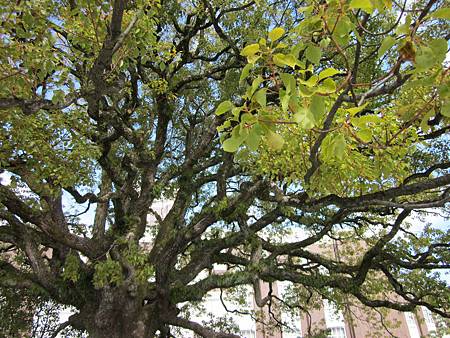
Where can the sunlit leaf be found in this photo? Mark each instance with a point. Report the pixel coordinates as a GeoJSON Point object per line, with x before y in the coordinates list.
{"type": "Point", "coordinates": [276, 33]}
{"type": "Point", "coordinates": [365, 5]}
{"type": "Point", "coordinates": [250, 50]}
{"type": "Point", "coordinates": [224, 107]}
{"type": "Point", "coordinates": [328, 73]}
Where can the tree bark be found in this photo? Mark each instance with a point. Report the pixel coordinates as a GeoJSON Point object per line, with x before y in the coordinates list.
{"type": "Point", "coordinates": [119, 314]}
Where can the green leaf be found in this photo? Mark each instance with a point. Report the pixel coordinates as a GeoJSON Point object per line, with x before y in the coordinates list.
{"type": "Point", "coordinates": [425, 59]}
{"type": "Point", "coordinates": [307, 9]}
{"type": "Point", "coordinates": [445, 109]}
{"type": "Point", "coordinates": [281, 45]}
{"type": "Point", "coordinates": [439, 48]}
{"type": "Point", "coordinates": [365, 135]}
{"type": "Point", "coordinates": [284, 98]}
{"type": "Point", "coordinates": [441, 13]}
{"type": "Point", "coordinates": [444, 90]}
{"type": "Point", "coordinates": [243, 131]}
{"type": "Point", "coordinates": [387, 43]}
{"type": "Point", "coordinates": [250, 50]}
{"type": "Point", "coordinates": [255, 84]}
{"type": "Point", "coordinates": [311, 82]}
{"type": "Point", "coordinates": [424, 123]}
{"type": "Point", "coordinates": [224, 107]}
{"type": "Point", "coordinates": [355, 110]}
{"type": "Point", "coordinates": [306, 91]}
{"type": "Point", "coordinates": [404, 29]}
{"type": "Point", "coordinates": [365, 5]}
{"type": "Point", "coordinates": [328, 73]}
{"type": "Point", "coordinates": [317, 107]}
{"type": "Point", "coordinates": [254, 138]}
{"type": "Point", "coordinates": [71, 268]}
{"type": "Point", "coordinates": [245, 71]}
{"type": "Point", "coordinates": [260, 97]}
{"type": "Point", "coordinates": [339, 146]}
{"type": "Point", "coordinates": [305, 118]}
{"type": "Point", "coordinates": [232, 144]}
{"type": "Point", "coordinates": [274, 140]}
{"type": "Point", "coordinates": [324, 43]}
{"type": "Point", "coordinates": [288, 81]}
{"type": "Point", "coordinates": [313, 54]}
{"type": "Point", "coordinates": [236, 112]}
{"type": "Point", "coordinates": [225, 125]}
{"type": "Point", "coordinates": [295, 51]}
{"type": "Point", "coordinates": [342, 31]}
{"type": "Point", "coordinates": [361, 122]}
{"type": "Point", "coordinates": [294, 104]}
{"type": "Point", "coordinates": [328, 86]}
{"type": "Point", "coordinates": [248, 118]}
{"type": "Point", "coordinates": [276, 33]}
{"type": "Point", "coordinates": [309, 25]}
{"type": "Point", "coordinates": [253, 58]}
{"type": "Point", "coordinates": [58, 96]}
{"type": "Point", "coordinates": [285, 60]}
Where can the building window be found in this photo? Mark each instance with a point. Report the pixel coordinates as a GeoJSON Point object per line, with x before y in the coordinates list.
{"type": "Point", "coordinates": [337, 332]}
{"type": "Point", "coordinates": [412, 325]}
{"type": "Point", "coordinates": [247, 334]}
{"type": "Point", "coordinates": [333, 317]}
{"type": "Point", "coordinates": [334, 320]}
{"type": "Point", "coordinates": [291, 318]}
{"type": "Point", "coordinates": [427, 315]}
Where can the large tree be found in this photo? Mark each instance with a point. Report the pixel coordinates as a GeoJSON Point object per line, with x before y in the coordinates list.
{"type": "Point", "coordinates": [255, 118]}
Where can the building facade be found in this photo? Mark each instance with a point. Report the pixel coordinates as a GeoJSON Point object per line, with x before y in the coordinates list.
{"type": "Point", "coordinates": [326, 321]}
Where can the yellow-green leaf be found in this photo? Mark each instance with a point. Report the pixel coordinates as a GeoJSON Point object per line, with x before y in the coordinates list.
{"type": "Point", "coordinates": [281, 45]}
{"type": "Point", "coordinates": [441, 13]}
{"type": "Point", "coordinates": [365, 135]}
{"type": "Point", "coordinates": [224, 107]}
{"type": "Point", "coordinates": [339, 146]}
{"type": "Point", "coordinates": [328, 86]}
{"type": "Point", "coordinates": [311, 82]}
{"type": "Point", "coordinates": [260, 97]}
{"type": "Point", "coordinates": [232, 144]}
{"type": "Point", "coordinates": [250, 49]}
{"type": "Point", "coordinates": [276, 33]}
{"type": "Point", "coordinates": [304, 118]}
{"type": "Point", "coordinates": [253, 138]}
{"type": "Point", "coordinates": [288, 81]}
{"type": "Point", "coordinates": [328, 73]}
{"type": "Point", "coordinates": [445, 109]}
{"type": "Point", "coordinates": [255, 84]}
{"type": "Point", "coordinates": [313, 54]}
{"type": "Point", "coordinates": [285, 60]}
{"type": "Point", "coordinates": [355, 110]}
{"type": "Point", "coordinates": [274, 140]}
{"type": "Point", "coordinates": [284, 98]}
{"type": "Point", "coordinates": [317, 107]}
{"type": "Point", "coordinates": [387, 43]}
{"type": "Point", "coordinates": [245, 72]}
{"type": "Point", "coordinates": [365, 5]}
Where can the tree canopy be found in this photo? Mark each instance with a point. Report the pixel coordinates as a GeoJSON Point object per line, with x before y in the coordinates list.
{"type": "Point", "coordinates": [257, 119]}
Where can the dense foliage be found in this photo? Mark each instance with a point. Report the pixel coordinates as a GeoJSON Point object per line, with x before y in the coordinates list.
{"type": "Point", "coordinates": [257, 120]}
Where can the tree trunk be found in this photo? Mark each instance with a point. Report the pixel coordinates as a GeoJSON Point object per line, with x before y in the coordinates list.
{"type": "Point", "coordinates": [119, 315]}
